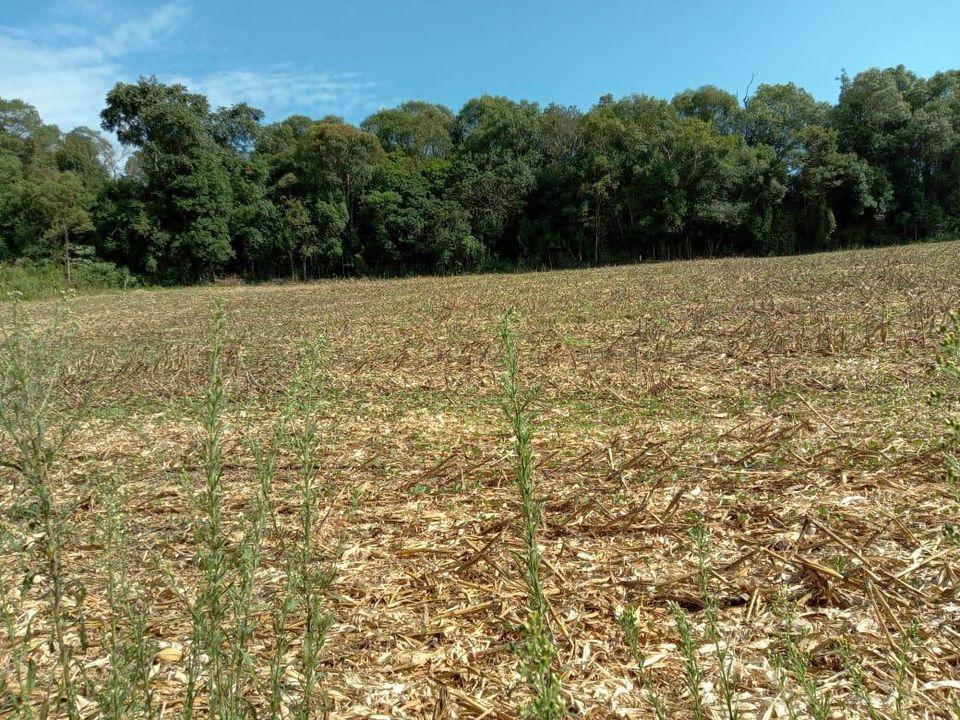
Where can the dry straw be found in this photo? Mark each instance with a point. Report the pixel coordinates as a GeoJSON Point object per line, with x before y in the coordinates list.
{"type": "Point", "coordinates": [779, 404]}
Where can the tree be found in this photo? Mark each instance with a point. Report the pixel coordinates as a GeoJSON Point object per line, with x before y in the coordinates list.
{"type": "Point", "coordinates": [417, 188]}
{"type": "Point", "coordinates": [882, 117]}
{"type": "Point", "coordinates": [332, 219]}
{"type": "Point", "coordinates": [498, 151]}
{"type": "Point", "coordinates": [296, 231]}
{"type": "Point", "coordinates": [778, 115]}
{"type": "Point", "coordinates": [836, 190]}
{"type": "Point", "coordinates": [418, 129]}
{"type": "Point", "coordinates": [60, 202]}
{"type": "Point", "coordinates": [49, 183]}
{"type": "Point", "coordinates": [338, 162]}
{"type": "Point", "coordinates": [23, 133]}
{"type": "Point", "coordinates": [236, 128]}
{"type": "Point", "coordinates": [339, 158]}
{"type": "Point", "coordinates": [711, 105]}
{"type": "Point", "coordinates": [88, 154]}
{"type": "Point", "coordinates": [187, 188]}
{"type": "Point", "coordinates": [412, 227]}
{"type": "Point", "coordinates": [11, 192]}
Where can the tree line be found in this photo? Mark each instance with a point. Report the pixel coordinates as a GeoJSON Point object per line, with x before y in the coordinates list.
{"type": "Point", "coordinates": [206, 192]}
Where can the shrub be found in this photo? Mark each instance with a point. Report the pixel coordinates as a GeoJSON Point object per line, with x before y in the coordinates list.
{"type": "Point", "coordinates": [39, 279]}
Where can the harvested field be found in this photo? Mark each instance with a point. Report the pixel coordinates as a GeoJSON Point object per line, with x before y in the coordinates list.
{"type": "Point", "coordinates": [782, 404]}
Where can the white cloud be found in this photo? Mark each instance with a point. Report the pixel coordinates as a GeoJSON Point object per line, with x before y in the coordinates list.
{"type": "Point", "coordinates": [146, 32]}
{"type": "Point", "coordinates": [66, 93]}
{"type": "Point", "coordinates": [283, 92]}
{"type": "Point", "coordinates": [66, 68]}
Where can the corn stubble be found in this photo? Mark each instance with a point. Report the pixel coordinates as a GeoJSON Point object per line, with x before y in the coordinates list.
{"type": "Point", "coordinates": [225, 609]}
{"type": "Point", "coordinates": [235, 616]}
{"type": "Point", "coordinates": [33, 420]}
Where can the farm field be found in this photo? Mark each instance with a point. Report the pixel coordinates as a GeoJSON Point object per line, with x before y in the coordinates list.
{"type": "Point", "coordinates": [780, 405]}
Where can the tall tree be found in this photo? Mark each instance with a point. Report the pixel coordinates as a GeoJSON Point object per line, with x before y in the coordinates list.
{"type": "Point", "coordinates": [418, 129]}
{"type": "Point", "coordinates": [187, 188]}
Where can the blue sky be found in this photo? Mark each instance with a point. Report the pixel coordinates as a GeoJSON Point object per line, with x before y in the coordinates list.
{"type": "Point", "coordinates": [351, 58]}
